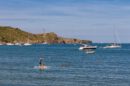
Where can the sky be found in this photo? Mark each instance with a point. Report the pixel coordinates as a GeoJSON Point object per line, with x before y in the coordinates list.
{"type": "Point", "coordinates": [96, 20]}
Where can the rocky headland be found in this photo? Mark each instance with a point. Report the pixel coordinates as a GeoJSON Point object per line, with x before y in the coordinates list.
{"type": "Point", "coordinates": [15, 35]}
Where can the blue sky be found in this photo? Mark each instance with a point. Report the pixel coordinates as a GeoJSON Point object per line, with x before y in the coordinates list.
{"type": "Point", "coordinates": [84, 19]}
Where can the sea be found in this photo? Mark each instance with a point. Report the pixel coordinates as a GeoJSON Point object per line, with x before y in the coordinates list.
{"type": "Point", "coordinates": [66, 66]}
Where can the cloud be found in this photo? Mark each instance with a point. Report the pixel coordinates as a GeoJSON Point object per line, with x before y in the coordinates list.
{"type": "Point", "coordinates": [33, 9]}
{"type": "Point", "coordinates": [74, 18]}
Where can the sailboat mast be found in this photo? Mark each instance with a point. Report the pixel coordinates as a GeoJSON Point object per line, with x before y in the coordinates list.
{"type": "Point", "coordinates": [28, 38]}
{"type": "Point", "coordinates": [115, 36]}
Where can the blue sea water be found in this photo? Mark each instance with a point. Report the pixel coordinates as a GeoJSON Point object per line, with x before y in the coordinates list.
{"type": "Point", "coordinates": [67, 66]}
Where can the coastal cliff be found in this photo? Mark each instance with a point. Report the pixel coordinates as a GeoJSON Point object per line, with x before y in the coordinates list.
{"type": "Point", "coordinates": [14, 35]}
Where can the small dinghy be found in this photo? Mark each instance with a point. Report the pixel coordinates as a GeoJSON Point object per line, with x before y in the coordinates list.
{"type": "Point", "coordinates": [90, 52]}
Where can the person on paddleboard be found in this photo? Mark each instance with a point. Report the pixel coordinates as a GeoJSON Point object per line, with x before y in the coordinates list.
{"type": "Point", "coordinates": [42, 66]}
{"type": "Point", "coordinates": [41, 62]}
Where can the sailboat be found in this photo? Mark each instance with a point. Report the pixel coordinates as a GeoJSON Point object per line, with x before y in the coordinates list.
{"type": "Point", "coordinates": [45, 42]}
{"type": "Point", "coordinates": [27, 43]}
{"type": "Point", "coordinates": [115, 44]}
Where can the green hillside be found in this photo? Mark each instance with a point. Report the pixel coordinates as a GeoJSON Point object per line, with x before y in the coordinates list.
{"type": "Point", "coordinates": [14, 35]}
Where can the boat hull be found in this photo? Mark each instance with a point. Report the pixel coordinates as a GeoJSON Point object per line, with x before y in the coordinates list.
{"type": "Point", "coordinates": [113, 46]}
{"type": "Point", "coordinates": [86, 48]}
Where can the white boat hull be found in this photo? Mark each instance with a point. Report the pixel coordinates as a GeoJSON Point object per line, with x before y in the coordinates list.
{"type": "Point", "coordinates": [27, 44]}
{"type": "Point", "coordinates": [9, 44]}
{"type": "Point", "coordinates": [90, 52]}
{"type": "Point", "coordinates": [87, 47]}
{"type": "Point", "coordinates": [112, 46]}
{"type": "Point", "coordinates": [19, 44]}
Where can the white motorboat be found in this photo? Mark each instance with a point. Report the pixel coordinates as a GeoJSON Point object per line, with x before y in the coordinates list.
{"type": "Point", "coordinates": [85, 46]}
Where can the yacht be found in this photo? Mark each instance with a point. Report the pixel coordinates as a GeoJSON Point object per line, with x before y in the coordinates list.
{"type": "Point", "coordinates": [85, 46]}
{"type": "Point", "coordinates": [114, 45]}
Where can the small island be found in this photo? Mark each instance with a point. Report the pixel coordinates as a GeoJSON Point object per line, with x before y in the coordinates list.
{"type": "Point", "coordinates": [16, 35]}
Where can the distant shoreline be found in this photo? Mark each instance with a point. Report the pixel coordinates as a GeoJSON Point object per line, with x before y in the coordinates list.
{"type": "Point", "coordinates": [15, 35]}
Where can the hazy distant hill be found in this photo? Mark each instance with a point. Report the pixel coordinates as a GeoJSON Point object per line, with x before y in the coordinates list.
{"type": "Point", "coordinates": [13, 35]}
